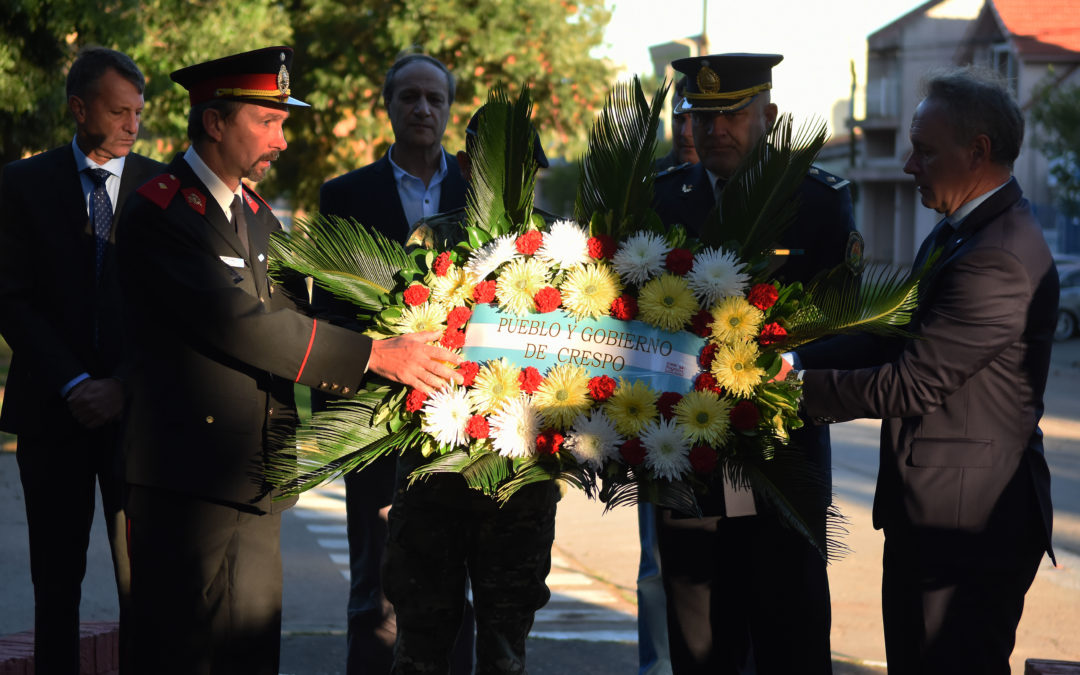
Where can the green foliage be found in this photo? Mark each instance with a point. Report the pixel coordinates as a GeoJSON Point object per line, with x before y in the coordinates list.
{"type": "Point", "coordinates": [615, 191]}
{"type": "Point", "coordinates": [1056, 118]}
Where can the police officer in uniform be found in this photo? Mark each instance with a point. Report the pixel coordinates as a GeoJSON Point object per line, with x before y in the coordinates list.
{"type": "Point", "coordinates": [745, 593]}
{"type": "Point", "coordinates": [219, 348]}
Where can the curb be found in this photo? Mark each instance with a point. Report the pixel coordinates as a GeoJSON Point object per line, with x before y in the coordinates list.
{"type": "Point", "coordinates": [99, 650]}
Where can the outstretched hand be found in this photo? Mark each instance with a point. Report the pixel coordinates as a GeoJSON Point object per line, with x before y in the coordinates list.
{"type": "Point", "coordinates": [410, 360]}
{"type": "Point", "coordinates": [95, 402]}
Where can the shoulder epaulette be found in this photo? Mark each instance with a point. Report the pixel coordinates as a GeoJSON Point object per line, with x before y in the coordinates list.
{"type": "Point", "coordinates": [823, 176]}
{"type": "Point", "coordinates": [253, 200]}
{"type": "Point", "coordinates": [160, 189]}
{"type": "Point", "coordinates": [671, 170]}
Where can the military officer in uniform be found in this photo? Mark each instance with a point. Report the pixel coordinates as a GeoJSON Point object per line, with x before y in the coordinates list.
{"type": "Point", "coordinates": [744, 591]}
{"type": "Point", "coordinates": [220, 347]}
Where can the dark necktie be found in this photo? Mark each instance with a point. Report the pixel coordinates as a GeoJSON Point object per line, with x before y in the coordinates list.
{"type": "Point", "coordinates": [937, 239]}
{"type": "Point", "coordinates": [101, 213]}
{"type": "Point", "coordinates": [240, 222]}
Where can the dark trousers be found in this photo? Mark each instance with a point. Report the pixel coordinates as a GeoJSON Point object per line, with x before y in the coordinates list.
{"type": "Point", "coordinates": [436, 547]}
{"type": "Point", "coordinates": [205, 586]}
{"type": "Point", "coordinates": [951, 601]}
{"type": "Point", "coordinates": [750, 597]}
{"type": "Point", "coordinates": [58, 471]}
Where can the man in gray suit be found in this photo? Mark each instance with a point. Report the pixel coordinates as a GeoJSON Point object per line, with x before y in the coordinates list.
{"type": "Point", "coordinates": [963, 489]}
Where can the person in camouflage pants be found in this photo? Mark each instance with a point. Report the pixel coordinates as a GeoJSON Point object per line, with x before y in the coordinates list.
{"type": "Point", "coordinates": [444, 536]}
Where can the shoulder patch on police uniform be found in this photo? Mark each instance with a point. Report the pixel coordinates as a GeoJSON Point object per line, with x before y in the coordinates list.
{"type": "Point", "coordinates": [823, 176]}
{"type": "Point", "coordinates": [853, 253]}
{"type": "Point", "coordinates": [253, 204]}
{"type": "Point", "coordinates": [160, 189]}
{"type": "Point", "coordinates": [674, 169]}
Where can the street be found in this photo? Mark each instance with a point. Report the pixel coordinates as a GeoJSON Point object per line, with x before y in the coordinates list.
{"type": "Point", "coordinates": [589, 625]}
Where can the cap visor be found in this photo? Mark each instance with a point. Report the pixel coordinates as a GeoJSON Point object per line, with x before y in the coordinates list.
{"type": "Point", "coordinates": [720, 105]}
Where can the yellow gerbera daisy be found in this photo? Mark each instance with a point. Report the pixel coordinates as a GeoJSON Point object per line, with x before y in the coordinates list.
{"type": "Point", "coordinates": [588, 291]}
{"type": "Point", "coordinates": [519, 282]}
{"type": "Point", "coordinates": [631, 407]}
{"type": "Point", "coordinates": [735, 368]}
{"type": "Point", "coordinates": [453, 288]}
{"type": "Point", "coordinates": [703, 417]}
{"type": "Point", "coordinates": [735, 319]}
{"type": "Point", "coordinates": [563, 395]}
{"type": "Point", "coordinates": [496, 381]}
{"type": "Point", "coordinates": [426, 317]}
{"type": "Point", "coordinates": [667, 302]}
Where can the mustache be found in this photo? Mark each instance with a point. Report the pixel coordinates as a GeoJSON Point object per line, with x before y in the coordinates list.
{"type": "Point", "coordinates": [270, 156]}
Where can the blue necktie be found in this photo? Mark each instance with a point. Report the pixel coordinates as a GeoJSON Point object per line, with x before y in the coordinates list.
{"type": "Point", "coordinates": [101, 212]}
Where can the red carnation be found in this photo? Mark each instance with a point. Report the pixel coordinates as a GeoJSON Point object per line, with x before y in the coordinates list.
{"type": "Point", "coordinates": [527, 243]}
{"type": "Point", "coordinates": [624, 307]}
{"type": "Point", "coordinates": [772, 333]}
{"type": "Point", "coordinates": [468, 371]}
{"type": "Point", "coordinates": [529, 379]}
{"type": "Point", "coordinates": [417, 294]}
{"type": "Point", "coordinates": [601, 387]}
{"type": "Point", "coordinates": [548, 442]}
{"type": "Point", "coordinates": [763, 296]}
{"type": "Point", "coordinates": [453, 339]}
{"type": "Point", "coordinates": [477, 427]}
{"type": "Point", "coordinates": [706, 382]}
{"type": "Point", "coordinates": [632, 451]}
{"type": "Point", "coordinates": [442, 264]}
{"type": "Point", "coordinates": [667, 402]}
{"type": "Point", "coordinates": [703, 459]}
{"type": "Point", "coordinates": [457, 317]}
{"type": "Point", "coordinates": [484, 292]}
{"type": "Point", "coordinates": [415, 400]}
{"type": "Point", "coordinates": [705, 358]}
{"type": "Point", "coordinates": [679, 261]}
{"type": "Point", "coordinates": [699, 325]}
{"type": "Point", "coordinates": [744, 416]}
{"type": "Point", "coordinates": [601, 246]}
{"type": "Point", "coordinates": [547, 299]}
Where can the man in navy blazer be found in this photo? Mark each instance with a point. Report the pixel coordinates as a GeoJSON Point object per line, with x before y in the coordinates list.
{"type": "Point", "coordinates": [60, 312]}
{"type": "Point", "coordinates": [963, 489]}
{"type": "Point", "coordinates": [416, 178]}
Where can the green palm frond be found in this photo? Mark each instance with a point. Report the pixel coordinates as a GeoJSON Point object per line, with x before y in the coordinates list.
{"type": "Point", "coordinates": [483, 471]}
{"type": "Point", "coordinates": [881, 302]}
{"type": "Point", "coordinates": [344, 257]}
{"type": "Point", "coordinates": [616, 186]}
{"type": "Point", "coordinates": [621, 489]}
{"type": "Point", "coordinates": [334, 442]}
{"type": "Point", "coordinates": [503, 165]}
{"type": "Point", "coordinates": [757, 204]}
{"type": "Point", "coordinates": [535, 471]}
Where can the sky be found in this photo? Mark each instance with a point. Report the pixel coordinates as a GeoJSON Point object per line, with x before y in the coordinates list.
{"type": "Point", "coordinates": [818, 40]}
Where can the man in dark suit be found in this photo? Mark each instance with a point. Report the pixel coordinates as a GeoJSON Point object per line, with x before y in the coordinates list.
{"type": "Point", "coordinates": [219, 350]}
{"type": "Point", "coordinates": [744, 591]}
{"type": "Point", "coordinates": [60, 312]}
{"type": "Point", "coordinates": [963, 490]}
{"type": "Point", "coordinates": [415, 179]}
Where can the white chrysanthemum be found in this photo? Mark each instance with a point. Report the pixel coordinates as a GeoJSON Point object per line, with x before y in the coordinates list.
{"type": "Point", "coordinates": [445, 415]}
{"type": "Point", "coordinates": [565, 245]}
{"type": "Point", "coordinates": [453, 288]}
{"type": "Point", "coordinates": [640, 258]}
{"type": "Point", "coordinates": [716, 274]}
{"type": "Point", "coordinates": [514, 428]}
{"type": "Point", "coordinates": [490, 257]}
{"type": "Point", "coordinates": [667, 451]}
{"type": "Point", "coordinates": [430, 316]}
{"type": "Point", "coordinates": [593, 440]}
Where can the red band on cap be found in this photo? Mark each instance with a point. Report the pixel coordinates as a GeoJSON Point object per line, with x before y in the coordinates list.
{"type": "Point", "coordinates": [205, 91]}
{"type": "Point", "coordinates": [311, 341]}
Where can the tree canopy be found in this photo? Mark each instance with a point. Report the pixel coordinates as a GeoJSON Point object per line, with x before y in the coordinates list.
{"type": "Point", "coordinates": [1056, 115]}
{"type": "Point", "coordinates": [342, 53]}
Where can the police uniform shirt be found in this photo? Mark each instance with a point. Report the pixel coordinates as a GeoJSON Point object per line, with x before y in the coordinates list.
{"type": "Point", "coordinates": [217, 187]}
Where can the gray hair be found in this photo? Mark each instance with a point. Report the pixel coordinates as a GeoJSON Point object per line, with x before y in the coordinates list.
{"type": "Point", "coordinates": [92, 63]}
{"type": "Point", "coordinates": [978, 101]}
{"type": "Point", "coordinates": [388, 83]}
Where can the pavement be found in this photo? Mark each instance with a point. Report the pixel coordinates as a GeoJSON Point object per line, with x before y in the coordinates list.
{"type": "Point", "coordinates": [602, 549]}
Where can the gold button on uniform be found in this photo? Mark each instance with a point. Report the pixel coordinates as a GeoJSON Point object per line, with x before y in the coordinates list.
{"type": "Point", "coordinates": [209, 419]}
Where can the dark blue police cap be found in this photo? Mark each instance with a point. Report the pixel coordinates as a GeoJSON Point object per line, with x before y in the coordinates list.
{"type": "Point", "coordinates": [724, 82]}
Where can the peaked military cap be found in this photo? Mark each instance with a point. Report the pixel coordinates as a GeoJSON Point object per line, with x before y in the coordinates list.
{"type": "Point", "coordinates": [538, 148]}
{"type": "Point", "coordinates": [724, 82]}
{"type": "Point", "coordinates": [259, 76]}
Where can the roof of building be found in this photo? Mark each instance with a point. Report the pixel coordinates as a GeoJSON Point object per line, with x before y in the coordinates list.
{"type": "Point", "coordinates": [1041, 29]}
